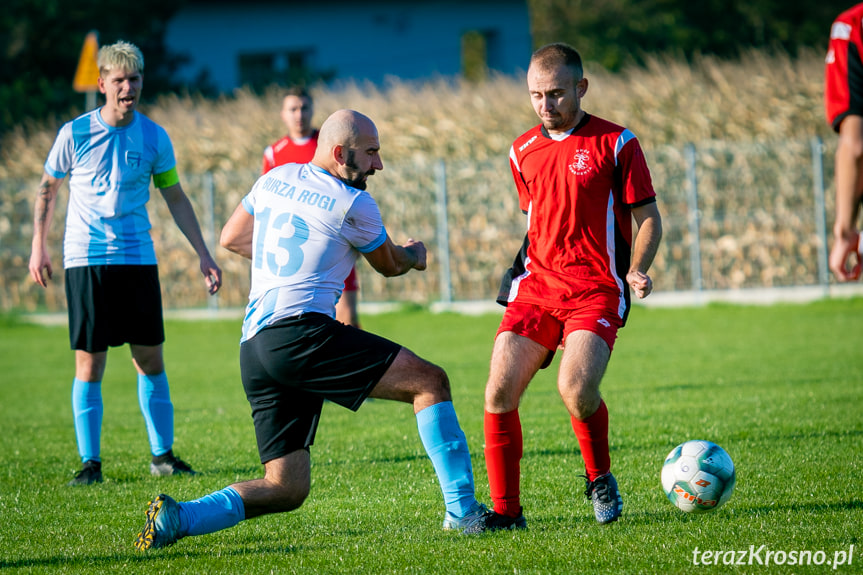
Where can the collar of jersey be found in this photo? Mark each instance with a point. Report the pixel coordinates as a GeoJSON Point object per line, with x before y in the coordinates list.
{"type": "Point", "coordinates": [316, 168]}
{"type": "Point", "coordinates": [104, 124]}
{"type": "Point", "coordinates": [578, 126]}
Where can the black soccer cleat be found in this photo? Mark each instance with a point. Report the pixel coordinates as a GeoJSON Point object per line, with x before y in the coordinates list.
{"type": "Point", "coordinates": [90, 473]}
{"type": "Point", "coordinates": [169, 464]}
{"type": "Point", "coordinates": [607, 502]}
{"type": "Point", "coordinates": [492, 521]}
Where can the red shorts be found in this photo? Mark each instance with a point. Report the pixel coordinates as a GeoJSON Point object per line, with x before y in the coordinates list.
{"type": "Point", "coordinates": [549, 326]}
{"type": "Point", "coordinates": [351, 283]}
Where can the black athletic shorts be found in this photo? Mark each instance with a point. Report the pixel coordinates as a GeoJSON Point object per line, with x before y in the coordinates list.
{"type": "Point", "coordinates": [290, 368]}
{"type": "Point", "coordinates": [114, 305]}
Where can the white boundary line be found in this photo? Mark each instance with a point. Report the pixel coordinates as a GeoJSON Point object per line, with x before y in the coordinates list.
{"type": "Point", "coordinates": [754, 296]}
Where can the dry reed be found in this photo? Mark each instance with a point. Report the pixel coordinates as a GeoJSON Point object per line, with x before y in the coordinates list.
{"type": "Point", "coordinates": [760, 98]}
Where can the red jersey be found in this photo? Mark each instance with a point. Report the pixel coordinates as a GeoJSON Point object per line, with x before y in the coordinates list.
{"type": "Point", "coordinates": [286, 151]}
{"type": "Point", "coordinates": [843, 75]}
{"type": "Point", "coordinates": [578, 193]}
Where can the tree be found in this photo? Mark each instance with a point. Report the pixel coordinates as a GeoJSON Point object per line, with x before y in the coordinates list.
{"type": "Point", "coordinates": [618, 32]}
{"type": "Point", "coordinates": [40, 41]}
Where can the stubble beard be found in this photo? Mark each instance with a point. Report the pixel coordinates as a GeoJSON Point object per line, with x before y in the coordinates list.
{"type": "Point", "coordinates": [360, 181]}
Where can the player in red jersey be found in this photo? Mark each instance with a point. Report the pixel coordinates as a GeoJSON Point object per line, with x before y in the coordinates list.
{"type": "Point", "coordinates": [581, 180]}
{"type": "Point", "coordinates": [298, 147]}
{"type": "Point", "coordinates": [843, 100]}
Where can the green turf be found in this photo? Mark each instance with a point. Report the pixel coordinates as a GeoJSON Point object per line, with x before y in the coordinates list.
{"type": "Point", "coordinates": [780, 388]}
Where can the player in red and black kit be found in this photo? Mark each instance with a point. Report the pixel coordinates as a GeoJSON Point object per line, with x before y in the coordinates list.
{"type": "Point", "coordinates": [298, 147]}
{"type": "Point", "coordinates": [843, 101]}
{"type": "Point", "coordinates": [581, 180]}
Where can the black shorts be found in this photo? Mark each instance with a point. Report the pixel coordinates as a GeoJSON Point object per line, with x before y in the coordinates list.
{"type": "Point", "coordinates": [292, 366]}
{"type": "Point", "coordinates": [114, 305]}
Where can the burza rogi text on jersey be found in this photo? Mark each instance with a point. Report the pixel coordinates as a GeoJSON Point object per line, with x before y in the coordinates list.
{"type": "Point", "coordinates": [286, 190]}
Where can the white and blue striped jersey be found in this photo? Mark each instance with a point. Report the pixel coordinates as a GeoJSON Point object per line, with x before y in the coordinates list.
{"type": "Point", "coordinates": [310, 228]}
{"type": "Point", "coordinates": [109, 186]}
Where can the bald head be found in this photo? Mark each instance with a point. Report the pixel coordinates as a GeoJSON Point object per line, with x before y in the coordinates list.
{"type": "Point", "coordinates": [344, 128]}
{"type": "Point", "coordinates": [348, 147]}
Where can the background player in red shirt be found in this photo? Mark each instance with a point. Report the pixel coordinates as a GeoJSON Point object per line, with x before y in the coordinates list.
{"type": "Point", "coordinates": [581, 180]}
{"type": "Point", "coordinates": [298, 147]}
{"type": "Point", "coordinates": [843, 100]}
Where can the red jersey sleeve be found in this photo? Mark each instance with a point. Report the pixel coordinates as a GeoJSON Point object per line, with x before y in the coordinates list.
{"type": "Point", "coordinates": [843, 70]}
{"type": "Point", "coordinates": [521, 187]}
{"type": "Point", "coordinates": [635, 176]}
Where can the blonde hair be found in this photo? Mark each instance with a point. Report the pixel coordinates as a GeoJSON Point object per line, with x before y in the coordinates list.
{"type": "Point", "coordinates": [120, 56]}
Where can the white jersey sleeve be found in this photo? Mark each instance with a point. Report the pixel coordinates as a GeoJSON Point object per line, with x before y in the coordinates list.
{"type": "Point", "coordinates": [362, 225]}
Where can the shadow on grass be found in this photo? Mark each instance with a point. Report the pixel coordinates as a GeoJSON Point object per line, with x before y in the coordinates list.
{"type": "Point", "coordinates": [113, 476]}
{"type": "Point", "coordinates": [582, 519]}
{"type": "Point", "coordinates": [807, 435]}
{"type": "Point", "coordinates": [109, 562]}
{"type": "Point", "coordinates": [630, 517]}
{"type": "Point", "coordinates": [364, 460]}
{"type": "Point", "coordinates": [852, 505]}
{"type": "Point", "coordinates": [734, 382]}
{"type": "Point", "coordinates": [564, 451]}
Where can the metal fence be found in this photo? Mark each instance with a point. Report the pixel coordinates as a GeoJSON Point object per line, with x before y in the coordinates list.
{"type": "Point", "coordinates": [735, 215]}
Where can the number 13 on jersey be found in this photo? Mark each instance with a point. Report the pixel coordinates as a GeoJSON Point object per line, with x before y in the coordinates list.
{"type": "Point", "coordinates": [292, 244]}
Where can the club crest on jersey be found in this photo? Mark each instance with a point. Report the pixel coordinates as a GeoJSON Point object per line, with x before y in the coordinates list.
{"type": "Point", "coordinates": [133, 158]}
{"type": "Point", "coordinates": [581, 163]}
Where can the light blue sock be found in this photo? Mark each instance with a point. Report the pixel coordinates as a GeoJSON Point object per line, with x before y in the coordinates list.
{"type": "Point", "coordinates": [87, 409]}
{"type": "Point", "coordinates": [446, 446]}
{"type": "Point", "coordinates": [214, 512]}
{"type": "Point", "coordinates": [155, 400]}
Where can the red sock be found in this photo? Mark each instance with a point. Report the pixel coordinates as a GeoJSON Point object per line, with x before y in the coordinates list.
{"type": "Point", "coordinates": [503, 450]}
{"type": "Point", "coordinates": [592, 434]}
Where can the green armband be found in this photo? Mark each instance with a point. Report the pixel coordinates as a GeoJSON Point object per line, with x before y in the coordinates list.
{"type": "Point", "coordinates": [166, 179]}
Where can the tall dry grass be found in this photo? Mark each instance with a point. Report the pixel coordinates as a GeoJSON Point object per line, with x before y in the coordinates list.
{"type": "Point", "coordinates": [756, 217]}
{"type": "Point", "coordinates": [761, 96]}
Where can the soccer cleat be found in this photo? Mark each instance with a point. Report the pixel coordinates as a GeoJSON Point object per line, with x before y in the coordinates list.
{"type": "Point", "coordinates": [493, 521]}
{"type": "Point", "coordinates": [607, 502]}
{"type": "Point", "coordinates": [162, 527]}
{"type": "Point", "coordinates": [89, 474]}
{"type": "Point", "coordinates": [452, 523]}
{"type": "Point", "coordinates": [169, 464]}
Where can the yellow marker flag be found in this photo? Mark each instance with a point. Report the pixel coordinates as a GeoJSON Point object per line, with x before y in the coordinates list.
{"type": "Point", "coordinates": [87, 73]}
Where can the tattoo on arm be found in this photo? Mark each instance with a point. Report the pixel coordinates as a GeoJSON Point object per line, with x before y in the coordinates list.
{"type": "Point", "coordinates": [43, 201]}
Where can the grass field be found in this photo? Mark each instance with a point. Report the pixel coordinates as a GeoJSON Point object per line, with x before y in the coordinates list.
{"type": "Point", "coordinates": [780, 388]}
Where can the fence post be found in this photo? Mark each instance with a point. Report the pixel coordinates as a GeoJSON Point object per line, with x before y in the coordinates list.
{"type": "Point", "coordinates": [817, 147]}
{"type": "Point", "coordinates": [693, 219]}
{"type": "Point", "coordinates": [210, 223]}
{"type": "Point", "coordinates": [443, 233]}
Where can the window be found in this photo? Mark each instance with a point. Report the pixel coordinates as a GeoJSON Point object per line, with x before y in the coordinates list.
{"type": "Point", "coordinates": [283, 68]}
{"type": "Point", "coordinates": [478, 53]}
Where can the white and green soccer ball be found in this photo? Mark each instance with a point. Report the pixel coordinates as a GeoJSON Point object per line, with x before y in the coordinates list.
{"type": "Point", "coordinates": [698, 476]}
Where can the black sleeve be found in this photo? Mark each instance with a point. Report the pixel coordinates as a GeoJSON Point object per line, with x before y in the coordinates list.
{"type": "Point", "coordinates": [513, 272]}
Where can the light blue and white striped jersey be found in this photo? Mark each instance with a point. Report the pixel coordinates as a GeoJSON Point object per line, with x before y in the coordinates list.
{"type": "Point", "coordinates": [109, 186]}
{"type": "Point", "coordinates": [309, 230]}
